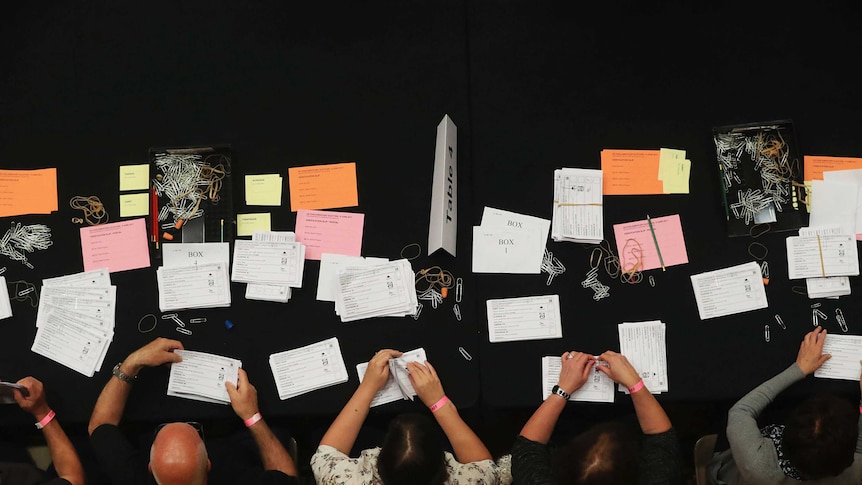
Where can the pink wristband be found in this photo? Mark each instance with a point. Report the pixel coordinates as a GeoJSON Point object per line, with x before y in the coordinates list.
{"type": "Point", "coordinates": [439, 404]}
{"type": "Point", "coordinates": [47, 419]}
{"type": "Point", "coordinates": [637, 387]}
{"type": "Point", "coordinates": [252, 420]}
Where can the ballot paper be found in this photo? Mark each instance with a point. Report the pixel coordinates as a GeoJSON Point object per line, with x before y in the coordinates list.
{"type": "Point", "coordinates": [846, 352]}
{"type": "Point", "coordinates": [821, 256]}
{"type": "Point", "coordinates": [578, 212]}
{"type": "Point", "coordinates": [308, 368]}
{"type": "Point", "coordinates": [5, 304]}
{"type": "Point", "coordinates": [829, 286]}
{"type": "Point", "coordinates": [259, 291]}
{"type": "Point", "coordinates": [846, 176]}
{"type": "Point", "coordinates": [496, 251]}
{"type": "Point", "coordinates": [644, 345]}
{"type": "Point", "coordinates": [524, 318]}
{"type": "Point", "coordinates": [201, 376]}
{"type": "Point", "coordinates": [75, 320]}
{"type": "Point", "coordinates": [498, 221]}
{"type": "Point", "coordinates": [398, 384]}
{"type": "Point", "coordinates": [598, 388]}
{"type": "Point", "coordinates": [384, 290]}
{"type": "Point", "coordinates": [330, 264]}
{"type": "Point", "coordinates": [186, 287]}
{"type": "Point", "coordinates": [727, 291]}
{"type": "Point", "coordinates": [271, 263]}
{"type": "Point", "coordinates": [7, 392]}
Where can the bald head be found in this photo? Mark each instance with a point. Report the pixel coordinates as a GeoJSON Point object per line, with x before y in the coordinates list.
{"type": "Point", "coordinates": [178, 456]}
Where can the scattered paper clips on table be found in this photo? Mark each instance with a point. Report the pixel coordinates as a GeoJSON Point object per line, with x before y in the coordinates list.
{"type": "Point", "coordinates": [459, 289]}
{"type": "Point", "coordinates": [780, 322]}
{"type": "Point", "coordinates": [94, 210]}
{"type": "Point", "coordinates": [552, 266]}
{"type": "Point", "coordinates": [816, 316]}
{"type": "Point", "coordinates": [839, 317]}
{"type": "Point", "coordinates": [651, 281]}
{"type": "Point", "coordinates": [184, 330]}
{"type": "Point", "coordinates": [418, 311]}
{"type": "Point", "coordinates": [465, 354]}
{"type": "Point", "coordinates": [457, 310]}
{"type": "Point", "coordinates": [144, 318]}
{"type": "Point", "coordinates": [766, 333]}
{"type": "Point", "coordinates": [21, 239]}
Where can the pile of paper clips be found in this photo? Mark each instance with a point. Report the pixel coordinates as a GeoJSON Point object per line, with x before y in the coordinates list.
{"type": "Point", "coordinates": [186, 180]}
{"type": "Point", "coordinates": [20, 239]}
{"type": "Point", "coordinates": [433, 284]}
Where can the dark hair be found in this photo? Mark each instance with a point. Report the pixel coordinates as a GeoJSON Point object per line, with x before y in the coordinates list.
{"type": "Point", "coordinates": [819, 438]}
{"type": "Point", "coordinates": [606, 453]}
{"type": "Point", "coordinates": [412, 452]}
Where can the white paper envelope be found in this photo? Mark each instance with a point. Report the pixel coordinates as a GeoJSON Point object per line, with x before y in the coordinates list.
{"type": "Point", "coordinates": [506, 252]}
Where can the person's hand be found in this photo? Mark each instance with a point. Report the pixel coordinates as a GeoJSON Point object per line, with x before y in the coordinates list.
{"type": "Point", "coordinates": [619, 369]}
{"type": "Point", "coordinates": [575, 370]}
{"type": "Point", "coordinates": [243, 396]}
{"type": "Point", "coordinates": [159, 351]}
{"type": "Point", "coordinates": [35, 403]}
{"type": "Point", "coordinates": [425, 381]}
{"type": "Point", "coordinates": [811, 356]}
{"type": "Point", "coordinates": [378, 369]}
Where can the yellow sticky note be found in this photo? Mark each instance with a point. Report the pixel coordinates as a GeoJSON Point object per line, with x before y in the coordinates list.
{"type": "Point", "coordinates": [676, 181]}
{"type": "Point", "coordinates": [134, 177]}
{"type": "Point", "coordinates": [134, 204]}
{"type": "Point", "coordinates": [263, 189]}
{"type": "Point", "coordinates": [246, 224]}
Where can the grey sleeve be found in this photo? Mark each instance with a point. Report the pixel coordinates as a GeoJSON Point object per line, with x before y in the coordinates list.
{"type": "Point", "coordinates": [754, 454]}
{"type": "Point", "coordinates": [859, 427]}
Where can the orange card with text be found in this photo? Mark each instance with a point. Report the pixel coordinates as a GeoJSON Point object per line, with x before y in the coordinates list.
{"type": "Point", "coordinates": [28, 192]}
{"type": "Point", "coordinates": [323, 186]}
{"type": "Point", "coordinates": [815, 166]}
{"type": "Point", "coordinates": [631, 172]}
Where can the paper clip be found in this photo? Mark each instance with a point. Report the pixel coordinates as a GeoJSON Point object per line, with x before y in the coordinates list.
{"type": "Point", "coordinates": [766, 333]}
{"type": "Point", "coordinates": [820, 314]}
{"type": "Point", "coordinates": [2, 270]}
{"type": "Point", "coordinates": [780, 322]}
{"type": "Point", "coordinates": [465, 354]}
{"type": "Point", "coordinates": [169, 316]}
{"type": "Point", "coordinates": [198, 320]}
{"type": "Point", "coordinates": [459, 288]}
{"type": "Point", "coordinates": [418, 311]}
{"type": "Point", "coordinates": [651, 281]}
{"type": "Point", "coordinates": [179, 322]}
{"type": "Point", "coordinates": [816, 305]}
{"type": "Point", "coordinates": [814, 321]}
{"type": "Point", "coordinates": [764, 269]}
{"type": "Point", "coordinates": [184, 330]}
{"type": "Point", "coordinates": [457, 310]}
{"type": "Point", "coordinates": [26, 291]}
{"type": "Point", "coordinates": [839, 316]}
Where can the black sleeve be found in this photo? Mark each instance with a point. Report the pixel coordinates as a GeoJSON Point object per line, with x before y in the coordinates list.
{"type": "Point", "coordinates": [57, 481]}
{"type": "Point", "coordinates": [531, 463]}
{"type": "Point", "coordinates": [267, 477]}
{"type": "Point", "coordinates": [660, 459]}
{"type": "Point", "coordinates": [119, 460]}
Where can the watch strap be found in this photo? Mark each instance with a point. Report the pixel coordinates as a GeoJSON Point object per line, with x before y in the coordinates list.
{"type": "Point", "coordinates": [560, 392]}
{"type": "Point", "coordinates": [122, 376]}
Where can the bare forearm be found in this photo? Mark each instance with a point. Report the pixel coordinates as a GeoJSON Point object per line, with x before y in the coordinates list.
{"type": "Point", "coordinates": [110, 405]}
{"type": "Point", "coordinates": [343, 432]}
{"type": "Point", "coordinates": [540, 426]}
{"type": "Point", "coordinates": [63, 454]}
{"type": "Point", "coordinates": [651, 415]}
{"type": "Point", "coordinates": [272, 452]}
{"type": "Point", "coordinates": [467, 446]}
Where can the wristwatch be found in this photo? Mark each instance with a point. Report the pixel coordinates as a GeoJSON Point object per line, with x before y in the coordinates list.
{"type": "Point", "coordinates": [560, 392]}
{"type": "Point", "coordinates": [121, 376]}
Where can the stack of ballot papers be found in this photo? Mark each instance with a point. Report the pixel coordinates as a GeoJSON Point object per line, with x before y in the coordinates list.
{"type": "Point", "coordinates": [525, 318]}
{"type": "Point", "coordinates": [194, 275]}
{"type": "Point", "coordinates": [308, 368]}
{"type": "Point", "coordinates": [273, 262]}
{"type": "Point", "coordinates": [201, 376]}
{"type": "Point", "coordinates": [578, 211]}
{"type": "Point", "coordinates": [331, 264]}
{"type": "Point", "coordinates": [75, 320]}
{"type": "Point", "coordinates": [265, 292]}
{"type": "Point", "coordinates": [5, 304]}
{"type": "Point", "coordinates": [598, 388]}
{"type": "Point", "coordinates": [846, 352]}
{"type": "Point", "coordinates": [382, 290]}
{"type": "Point", "coordinates": [398, 385]}
{"type": "Point", "coordinates": [730, 290]}
{"type": "Point", "coordinates": [507, 242]}
{"type": "Point", "coordinates": [828, 286]}
{"type": "Point", "coordinates": [643, 344]}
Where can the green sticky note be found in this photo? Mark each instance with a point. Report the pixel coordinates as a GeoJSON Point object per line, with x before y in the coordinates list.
{"type": "Point", "coordinates": [134, 177]}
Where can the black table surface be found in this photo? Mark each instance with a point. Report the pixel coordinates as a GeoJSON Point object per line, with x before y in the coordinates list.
{"type": "Point", "coordinates": [532, 86]}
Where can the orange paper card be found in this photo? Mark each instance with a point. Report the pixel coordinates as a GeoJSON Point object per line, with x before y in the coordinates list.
{"type": "Point", "coordinates": [631, 172]}
{"type": "Point", "coordinates": [323, 186]}
{"type": "Point", "coordinates": [815, 166]}
{"type": "Point", "coordinates": [28, 192]}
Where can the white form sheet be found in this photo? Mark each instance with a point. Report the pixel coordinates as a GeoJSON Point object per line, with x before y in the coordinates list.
{"type": "Point", "coordinates": [98, 278]}
{"type": "Point", "coordinates": [98, 306]}
{"type": "Point", "coordinates": [308, 368]}
{"type": "Point", "coordinates": [598, 388]}
{"type": "Point", "coordinates": [830, 286]}
{"type": "Point", "coordinates": [644, 345]}
{"type": "Point", "coordinates": [849, 176]}
{"type": "Point", "coordinates": [5, 304]}
{"type": "Point", "coordinates": [846, 351]}
{"type": "Point", "coordinates": [77, 347]}
{"type": "Point", "coordinates": [258, 291]}
{"type": "Point", "coordinates": [501, 220]}
{"type": "Point", "coordinates": [331, 264]}
{"type": "Point", "coordinates": [730, 290]}
{"type": "Point", "coordinates": [835, 205]}
{"type": "Point", "coordinates": [195, 254]}
{"type": "Point", "coordinates": [392, 391]}
{"type": "Point", "coordinates": [525, 318]}
{"type": "Point", "coordinates": [272, 263]}
{"type": "Point", "coordinates": [201, 376]}
{"type": "Point", "coordinates": [382, 290]}
{"type": "Point", "coordinates": [578, 212]}
{"type": "Point", "coordinates": [506, 251]}
{"type": "Point", "coordinates": [201, 286]}
{"type": "Point", "coordinates": [822, 255]}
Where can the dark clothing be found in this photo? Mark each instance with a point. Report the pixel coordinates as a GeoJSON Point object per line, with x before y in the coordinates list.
{"type": "Point", "coordinates": [26, 474]}
{"type": "Point", "coordinates": [124, 465]}
{"type": "Point", "coordinates": [659, 461]}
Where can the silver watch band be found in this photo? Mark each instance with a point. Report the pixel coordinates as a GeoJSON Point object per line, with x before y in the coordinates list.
{"type": "Point", "coordinates": [121, 376]}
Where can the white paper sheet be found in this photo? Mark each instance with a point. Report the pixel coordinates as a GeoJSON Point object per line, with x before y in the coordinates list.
{"type": "Point", "coordinates": [821, 256]}
{"type": "Point", "coordinates": [525, 318]}
{"type": "Point", "coordinates": [849, 176]}
{"type": "Point", "coordinates": [75, 346]}
{"type": "Point", "coordinates": [846, 351]}
{"type": "Point", "coordinates": [5, 304]}
{"type": "Point", "coordinates": [195, 254]}
{"type": "Point", "coordinates": [728, 291]}
{"type": "Point", "coordinates": [494, 220]}
{"type": "Point", "coordinates": [202, 376]}
{"type": "Point", "coordinates": [308, 368]}
{"type": "Point", "coordinates": [578, 212]}
{"type": "Point", "coordinates": [386, 289]}
{"type": "Point", "coordinates": [331, 264]}
{"type": "Point", "coordinates": [392, 391]}
{"type": "Point", "coordinates": [829, 286]}
{"type": "Point", "coordinates": [598, 388]}
{"type": "Point", "coordinates": [185, 287]}
{"type": "Point", "coordinates": [496, 251]}
{"type": "Point", "coordinates": [644, 345]}
{"type": "Point", "coordinates": [99, 278]}
{"type": "Point", "coordinates": [274, 263]}
{"type": "Point", "coordinates": [835, 205]}
{"type": "Point", "coordinates": [276, 293]}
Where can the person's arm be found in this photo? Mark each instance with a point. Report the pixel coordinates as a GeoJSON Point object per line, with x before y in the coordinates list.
{"type": "Point", "coordinates": [576, 368]}
{"type": "Point", "coordinates": [112, 401]}
{"type": "Point", "coordinates": [343, 432]}
{"type": "Point", "coordinates": [467, 446]}
{"type": "Point", "coordinates": [651, 415]}
{"type": "Point", "coordinates": [243, 399]}
{"type": "Point", "coordinates": [859, 425]}
{"type": "Point", "coordinates": [63, 453]}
